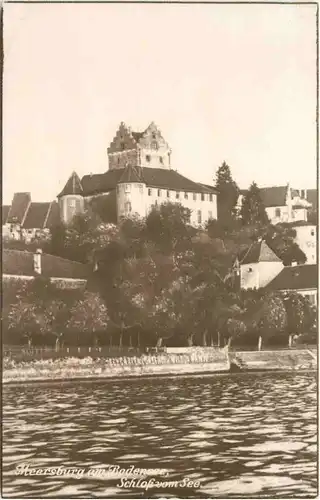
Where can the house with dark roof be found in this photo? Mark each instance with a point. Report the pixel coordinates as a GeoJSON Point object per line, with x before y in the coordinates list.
{"type": "Point", "coordinates": [301, 279]}
{"type": "Point", "coordinates": [139, 177]}
{"type": "Point", "coordinates": [259, 267]}
{"type": "Point", "coordinates": [282, 203]}
{"type": "Point", "coordinates": [24, 265]}
{"type": "Point", "coordinates": [25, 220]}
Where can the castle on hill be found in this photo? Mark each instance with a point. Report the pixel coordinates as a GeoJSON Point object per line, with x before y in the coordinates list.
{"type": "Point", "coordinates": [140, 176]}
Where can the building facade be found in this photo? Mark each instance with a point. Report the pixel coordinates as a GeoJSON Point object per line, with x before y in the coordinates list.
{"type": "Point", "coordinates": [282, 203]}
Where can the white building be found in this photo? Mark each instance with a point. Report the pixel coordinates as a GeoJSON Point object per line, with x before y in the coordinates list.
{"type": "Point", "coordinates": [260, 267]}
{"type": "Point", "coordinates": [140, 177]}
{"type": "Point", "coordinates": [282, 203]}
{"type": "Point", "coordinates": [306, 239]}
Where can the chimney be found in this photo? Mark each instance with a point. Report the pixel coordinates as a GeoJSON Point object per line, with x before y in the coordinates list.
{"type": "Point", "coordinates": [37, 261]}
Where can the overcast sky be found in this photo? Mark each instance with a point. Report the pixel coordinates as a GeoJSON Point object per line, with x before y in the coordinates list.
{"type": "Point", "coordinates": [222, 82]}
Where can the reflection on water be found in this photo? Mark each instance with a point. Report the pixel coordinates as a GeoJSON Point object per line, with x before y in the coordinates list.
{"type": "Point", "coordinates": [238, 435]}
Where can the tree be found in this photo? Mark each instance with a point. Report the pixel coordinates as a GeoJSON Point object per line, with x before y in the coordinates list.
{"type": "Point", "coordinates": [167, 227]}
{"type": "Point", "coordinates": [253, 210]}
{"type": "Point", "coordinates": [281, 239]}
{"type": "Point", "coordinates": [272, 317]}
{"type": "Point", "coordinates": [227, 197]}
{"type": "Point", "coordinates": [89, 315]}
{"type": "Point", "coordinates": [300, 315]}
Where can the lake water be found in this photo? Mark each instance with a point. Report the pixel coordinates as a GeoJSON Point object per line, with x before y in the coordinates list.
{"type": "Point", "coordinates": [244, 435]}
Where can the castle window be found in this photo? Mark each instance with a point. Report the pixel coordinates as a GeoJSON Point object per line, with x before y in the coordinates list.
{"type": "Point", "coordinates": [202, 196]}
{"type": "Point", "coordinates": [250, 270]}
{"type": "Point", "coordinates": [195, 196]}
{"type": "Point", "coordinates": [127, 207]}
{"type": "Point", "coordinates": [277, 212]}
{"type": "Point", "coordinates": [210, 197]}
{"type": "Point", "coordinates": [199, 217]}
{"type": "Point", "coordinates": [177, 195]}
{"type": "Point", "coordinates": [186, 196]}
{"type": "Point", "coordinates": [148, 158]}
{"type": "Point", "coordinates": [122, 145]}
{"type": "Point", "coordinates": [128, 188]}
{"type": "Point", "coordinates": [312, 232]}
{"type": "Point", "coordinates": [141, 188]}
{"type": "Point", "coordinates": [72, 203]}
{"type": "Point", "coordinates": [149, 192]}
{"type": "Point", "coordinates": [161, 160]}
{"type": "Point", "coordinates": [168, 194]}
{"type": "Point", "coordinates": [159, 193]}
{"type": "Point", "coordinates": [154, 145]}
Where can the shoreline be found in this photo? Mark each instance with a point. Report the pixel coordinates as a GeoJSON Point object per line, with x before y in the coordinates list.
{"type": "Point", "coordinates": [114, 378]}
{"type": "Point", "coordinates": [193, 364]}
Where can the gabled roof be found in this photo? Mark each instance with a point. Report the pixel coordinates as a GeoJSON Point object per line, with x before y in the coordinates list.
{"type": "Point", "coordinates": [5, 211]}
{"type": "Point", "coordinates": [152, 177]}
{"type": "Point", "coordinates": [302, 277]}
{"type": "Point", "coordinates": [20, 263]}
{"type": "Point", "coordinates": [36, 215]}
{"type": "Point", "coordinates": [258, 252]}
{"type": "Point", "coordinates": [73, 186]}
{"type": "Point", "coordinates": [130, 174]}
{"type": "Point", "coordinates": [19, 207]}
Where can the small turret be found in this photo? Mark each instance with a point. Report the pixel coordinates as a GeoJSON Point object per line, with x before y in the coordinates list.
{"type": "Point", "coordinates": [71, 201]}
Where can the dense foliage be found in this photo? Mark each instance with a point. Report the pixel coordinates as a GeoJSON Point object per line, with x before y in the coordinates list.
{"type": "Point", "coordinates": [155, 281]}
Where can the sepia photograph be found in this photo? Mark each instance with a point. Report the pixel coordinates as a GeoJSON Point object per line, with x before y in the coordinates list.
{"type": "Point", "coordinates": [159, 250]}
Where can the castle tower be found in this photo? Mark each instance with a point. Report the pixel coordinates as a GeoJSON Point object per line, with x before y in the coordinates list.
{"type": "Point", "coordinates": [71, 201]}
{"type": "Point", "coordinates": [131, 193]}
{"type": "Point", "coordinates": [142, 149]}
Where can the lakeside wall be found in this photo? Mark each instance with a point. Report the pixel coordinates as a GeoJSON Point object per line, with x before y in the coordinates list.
{"type": "Point", "coordinates": [187, 361]}
{"type": "Point", "coordinates": [191, 361]}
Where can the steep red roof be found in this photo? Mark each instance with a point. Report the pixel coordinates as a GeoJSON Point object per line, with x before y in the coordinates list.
{"type": "Point", "coordinates": [53, 216]}
{"type": "Point", "coordinates": [259, 252]}
{"type": "Point", "coordinates": [36, 215]}
{"type": "Point", "coordinates": [73, 186]}
{"type": "Point", "coordinates": [20, 263]}
{"type": "Point", "coordinates": [19, 207]}
{"type": "Point", "coordinates": [153, 177]}
{"type": "Point", "coordinates": [304, 277]}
